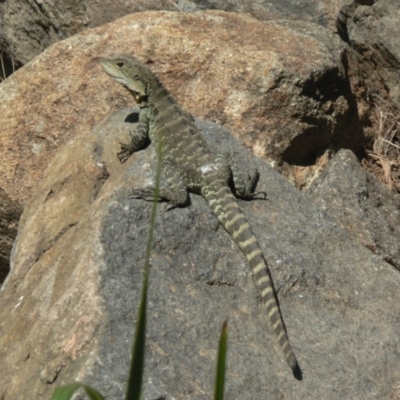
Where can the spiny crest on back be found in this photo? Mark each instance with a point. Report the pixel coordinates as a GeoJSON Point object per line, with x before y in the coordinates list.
{"type": "Point", "coordinates": [130, 73]}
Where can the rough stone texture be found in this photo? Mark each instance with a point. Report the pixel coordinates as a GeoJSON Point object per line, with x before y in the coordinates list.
{"type": "Point", "coordinates": [69, 305]}
{"type": "Point", "coordinates": [10, 213]}
{"type": "Point", "coordinates": [287, 97]}
{"type": "Point", "coordinates": [320, 12]}
{"type": "Point", "coordinates": [360, 204]}
{"type": "Point", "coordinates": [372, 34]}
{"type": "Point", "coordinates": [30, 26]}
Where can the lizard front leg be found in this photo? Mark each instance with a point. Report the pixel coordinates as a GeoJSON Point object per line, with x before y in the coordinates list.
{"type": "Point", "coordinates": [244, 183]}
{"type": "Point", "coordinates": [138, 138]}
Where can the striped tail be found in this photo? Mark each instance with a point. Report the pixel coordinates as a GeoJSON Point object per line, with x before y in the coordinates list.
{"type": "Point", "coordinates": [224, 205]}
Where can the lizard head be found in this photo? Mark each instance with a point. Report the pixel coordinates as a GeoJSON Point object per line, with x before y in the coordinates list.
{"type": "Point", "coordinates": [130, 73]}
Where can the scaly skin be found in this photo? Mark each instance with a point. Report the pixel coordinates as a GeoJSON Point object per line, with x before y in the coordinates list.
{"type": "Point", "coordinates": [190, 165]}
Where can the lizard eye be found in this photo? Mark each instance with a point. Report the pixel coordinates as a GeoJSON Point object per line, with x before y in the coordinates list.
{"type": "Point", "coordinates": [120, 65]}
{"type": "Point", "coordinates": [136, 77]}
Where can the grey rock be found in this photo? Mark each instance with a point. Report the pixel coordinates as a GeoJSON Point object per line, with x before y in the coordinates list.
{"type": "Point", "coordinates": [30, 26]}
{"type": "Point", "coordinates": [72, 295]}
{"type": "Point", "coordinates": [372, 32]}
{"type": "Point", "coordinates": [360, 204]}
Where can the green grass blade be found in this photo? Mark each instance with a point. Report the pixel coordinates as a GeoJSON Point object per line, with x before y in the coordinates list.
{"type": "Point", "coordinates": [93, 393]}
{"type": "Point", "coordinates": [137, 364]}
{"type": "Point", "coordinates": [220, 373]}
{"type": "Point", "coordinates": [134, 388]}
{"type": "Point", "coordinates": [67, 391]}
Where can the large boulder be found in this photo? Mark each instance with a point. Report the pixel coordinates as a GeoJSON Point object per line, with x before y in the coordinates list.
{"type": "Point", "coordinates": [70, 303]}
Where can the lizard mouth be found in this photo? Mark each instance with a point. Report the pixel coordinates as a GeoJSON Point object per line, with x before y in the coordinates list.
{"type": "Point", "coordinates": [139, 97]}
{"type": "Point", "coordinates": [134, 92]}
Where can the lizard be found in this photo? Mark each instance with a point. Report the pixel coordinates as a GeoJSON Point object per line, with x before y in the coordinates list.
{"type": "Point", "coordinates": [190, 165]}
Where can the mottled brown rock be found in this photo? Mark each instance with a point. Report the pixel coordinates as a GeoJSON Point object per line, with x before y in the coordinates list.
{"type": "Point", "coordinates": [285, 96]}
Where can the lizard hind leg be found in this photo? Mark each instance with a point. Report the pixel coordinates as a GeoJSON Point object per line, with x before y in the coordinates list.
{"type": "Point", "coordinates": [176, 193]}
{"type": "Point", "coordinates": [242, 182]}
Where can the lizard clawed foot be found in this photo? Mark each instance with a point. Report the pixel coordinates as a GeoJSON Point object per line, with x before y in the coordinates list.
{"type": "Point", "coordinates": [264, 194]}
{"type": "Point", "coordinates": [125, 152]}
{"type": "Point", "coordinates": [146, 194]}
{"type": "Point", "coordinates": [252, 196]}
{"type": "Point", "coordinates": [252, 182]}
{"type": "Point", "coordinates": [170, 206]}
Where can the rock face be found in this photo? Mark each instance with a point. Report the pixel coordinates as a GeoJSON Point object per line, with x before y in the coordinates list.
{"type": "Point", "coordinates": [77, 270]}
{"type": "Point", "coordinates": [286, 97]}
{"type": "Point", "coordinates": [10, 213]}
{"type": "Point", "coordinates": [372, 31]}
{"type": "Point", "coordinates": [291, 91]}
{"type": "Point", "coordinates": [360, 204]}
{"type": "Point", "coordinates": [371, 28]}
{"type": "Point", "coordinates": [29, 27]}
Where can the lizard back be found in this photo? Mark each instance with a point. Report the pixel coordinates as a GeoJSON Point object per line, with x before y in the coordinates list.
{"type": "Point", "coordinates": [182, 143]}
